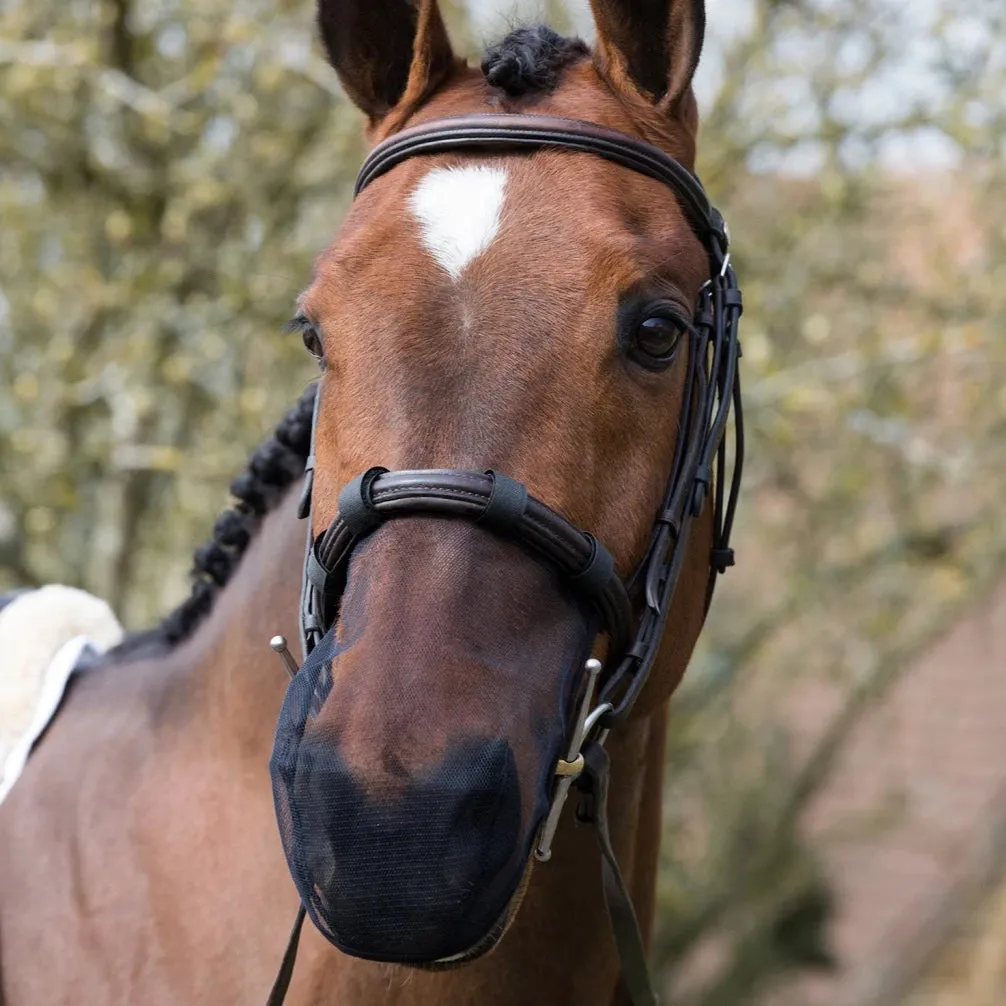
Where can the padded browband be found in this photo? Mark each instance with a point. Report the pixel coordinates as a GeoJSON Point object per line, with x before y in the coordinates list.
{"type": "Point", "coordinates": [510, 132]}
{"type": "Point", "coordinates": [495, 501]}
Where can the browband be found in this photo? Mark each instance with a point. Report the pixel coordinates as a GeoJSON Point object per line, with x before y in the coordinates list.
{"type": "Point", "coordinates": [534, 132]}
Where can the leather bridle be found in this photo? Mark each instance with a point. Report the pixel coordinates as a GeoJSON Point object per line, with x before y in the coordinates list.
{"type": "Point", "coordinates": [504, 506]}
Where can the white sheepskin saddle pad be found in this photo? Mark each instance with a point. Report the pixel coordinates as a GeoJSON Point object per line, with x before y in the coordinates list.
{"type": "Point", "coordinates": [44, 635]}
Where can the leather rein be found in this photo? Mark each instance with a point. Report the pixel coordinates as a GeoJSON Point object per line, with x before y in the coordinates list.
{"type": "Point", "coordinates": [506, 508]}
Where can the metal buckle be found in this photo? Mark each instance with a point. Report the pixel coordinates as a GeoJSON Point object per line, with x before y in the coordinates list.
{"type": "Point", "coordinates": [569, 768]}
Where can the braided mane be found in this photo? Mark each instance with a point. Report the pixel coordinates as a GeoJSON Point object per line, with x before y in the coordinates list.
{"type": "Point", "coordinates": [274, 466]}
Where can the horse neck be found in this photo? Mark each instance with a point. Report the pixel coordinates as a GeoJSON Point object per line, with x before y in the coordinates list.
{"type": "Point", "coordinates": [227, 669]}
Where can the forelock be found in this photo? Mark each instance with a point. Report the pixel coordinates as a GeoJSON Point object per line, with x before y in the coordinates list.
{"type": "Point", "coordinates": [530, 60]}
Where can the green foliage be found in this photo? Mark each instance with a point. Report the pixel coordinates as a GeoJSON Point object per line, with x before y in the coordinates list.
{"type": "Point", "coordinates": [874, 366]}
{"type": "Point", "coordinates": [167, 174]}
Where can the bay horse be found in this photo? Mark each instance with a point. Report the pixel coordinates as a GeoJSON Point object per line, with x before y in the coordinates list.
{"type": "Point", "coordinates": [541, 312]}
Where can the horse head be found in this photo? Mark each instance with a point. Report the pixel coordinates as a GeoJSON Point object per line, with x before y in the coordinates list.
{"type": "Point", "coordinates": [516, 342]}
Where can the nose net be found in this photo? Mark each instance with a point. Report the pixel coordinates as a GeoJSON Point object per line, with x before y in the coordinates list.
{"type": "Point", "coordinates": [415, 750]}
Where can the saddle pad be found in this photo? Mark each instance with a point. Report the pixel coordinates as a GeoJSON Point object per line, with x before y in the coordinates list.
{"type": "Point", "coordinates": [45, 635]}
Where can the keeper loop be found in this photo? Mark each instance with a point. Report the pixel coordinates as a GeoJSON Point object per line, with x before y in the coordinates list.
{"type": "Point", "coordinates": [312, 622]}
{"type": "Point", "coordinates": [669, 520]}
{"type": "Point", "coordinates": [319, 575]}
{"type": "Point", "coordinates": [699, 491]}
{"type": "Point", "coordinates": [506, 506]}
{"type": "Point", "coordinates": [594, 577]}
{"type": "Point", "coordinates": [732, 298]}
{"type": "Point", "coordinates": [356, 508]}
{"type": "Point", "coordinates": [721, 559]}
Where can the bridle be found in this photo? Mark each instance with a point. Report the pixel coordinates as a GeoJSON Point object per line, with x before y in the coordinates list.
{"type": "Point", "coordinates": [505, 507]}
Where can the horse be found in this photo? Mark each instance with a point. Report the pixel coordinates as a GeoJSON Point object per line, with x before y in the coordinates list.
{"type": "Point", "coordinates": [531, 311]}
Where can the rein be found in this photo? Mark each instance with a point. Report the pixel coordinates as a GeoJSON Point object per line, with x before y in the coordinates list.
{"type": "Point", "coordinates": [506, 508]}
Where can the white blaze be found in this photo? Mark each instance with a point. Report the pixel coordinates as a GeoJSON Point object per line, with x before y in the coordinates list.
{"type": "Point", "coordinates": [459, 211]}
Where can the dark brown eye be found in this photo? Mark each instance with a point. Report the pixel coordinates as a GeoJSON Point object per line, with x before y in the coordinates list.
{"type": "Point", "coordinates": [310, 334]}
{"type": "Point", "coordinates": [312, 341]}
{"type": "Point", "coordinates": [655, 341]}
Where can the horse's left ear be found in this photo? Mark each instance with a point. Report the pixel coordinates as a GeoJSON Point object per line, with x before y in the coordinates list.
{"type": "Point", "coordinates": [654, 45]}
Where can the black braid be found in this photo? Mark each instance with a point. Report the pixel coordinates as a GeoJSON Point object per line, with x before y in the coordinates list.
{"type": "Point", "coordinates": [530, 60]}
{"type": "Point", "coordinates": [273, 467]}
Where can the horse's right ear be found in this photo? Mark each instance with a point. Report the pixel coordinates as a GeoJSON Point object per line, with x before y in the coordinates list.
{"type": "Point", "coordinates": [386, 52]}
{"type": "Point", "coordinates": [653, 46]}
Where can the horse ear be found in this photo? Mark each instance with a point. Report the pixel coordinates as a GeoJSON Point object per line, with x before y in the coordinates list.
{"type": "Point", "coordinates": [386, 51]}
{"type": "Point", "coordinates": [654, 45]}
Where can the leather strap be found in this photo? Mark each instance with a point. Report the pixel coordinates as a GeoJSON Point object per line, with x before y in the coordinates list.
{"type": "Point", "coordinates": [508, 132]}
{"type": "Point", "coordinates": [457, 493]}
{"type": "Point", "coordinates": [281, 986]}
{"type": "Point", "coordinates": [304, 506]}
{"type": "Point", "coordinates": [624, 925]}
{"type": "Point", "coordinates": [307, 615]}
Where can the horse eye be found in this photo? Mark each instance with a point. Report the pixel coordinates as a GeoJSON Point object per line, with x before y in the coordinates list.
{"type": "Point", "coordinates": [312, 341]}
{"type": "Point", "coordinates": [655, 341]}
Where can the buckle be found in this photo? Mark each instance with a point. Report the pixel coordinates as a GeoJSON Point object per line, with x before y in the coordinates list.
{"type": "Point", "coordinates": [720, 230]}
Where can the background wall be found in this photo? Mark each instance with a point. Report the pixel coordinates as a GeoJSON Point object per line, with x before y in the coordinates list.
{"type": "Point", "coordinates": [169, 169]}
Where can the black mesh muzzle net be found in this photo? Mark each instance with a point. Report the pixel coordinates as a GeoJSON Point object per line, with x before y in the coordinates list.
{"type": "Point", "coordinates": [416, 746]}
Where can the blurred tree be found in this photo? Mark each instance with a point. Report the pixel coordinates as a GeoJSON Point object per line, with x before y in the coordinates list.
{"type": "Point", "coordinates": [167, 173]}
{"type": "Point", "coordinates": [874, 305]}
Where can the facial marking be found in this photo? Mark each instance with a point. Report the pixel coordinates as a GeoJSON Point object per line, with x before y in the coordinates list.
{"type": "Point", "coordinates": [459, 211]}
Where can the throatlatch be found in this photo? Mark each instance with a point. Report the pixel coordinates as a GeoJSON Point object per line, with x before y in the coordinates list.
{"type": "Point", "coordinates": [504, 508]}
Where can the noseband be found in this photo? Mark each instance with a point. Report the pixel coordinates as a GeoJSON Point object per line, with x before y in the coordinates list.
{"type": "Point", "coordinates": [506, 508]}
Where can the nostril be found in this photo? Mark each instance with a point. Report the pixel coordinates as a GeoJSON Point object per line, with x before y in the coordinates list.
{"type": "Point", "coordinates": [479, 775]}
{"type": "Point", "coordinates": [486, 813]}
{"type": "Point", "coordinates": [420, 874]}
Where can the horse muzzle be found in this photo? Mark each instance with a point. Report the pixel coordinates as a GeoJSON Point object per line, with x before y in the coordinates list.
{"type": "Point", "coordinates": [416, 748]}
{"type": "Point", "coordinates": [415, 875]}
